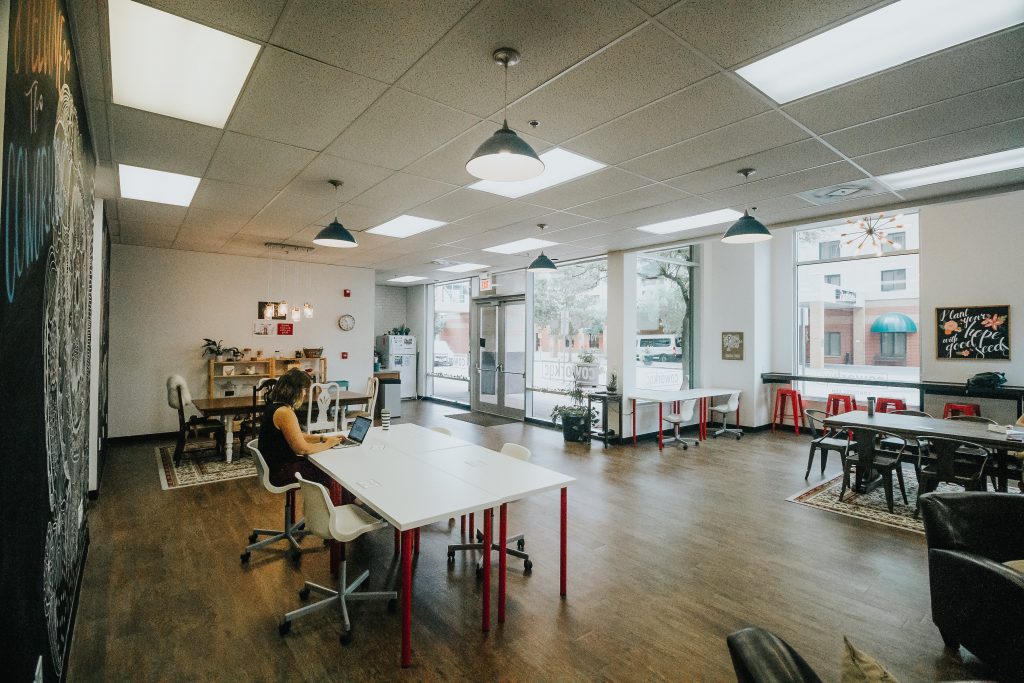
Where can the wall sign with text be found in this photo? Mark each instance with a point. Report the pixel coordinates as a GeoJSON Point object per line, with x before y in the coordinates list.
{"type": "Point", "coordinates": [973, 332]}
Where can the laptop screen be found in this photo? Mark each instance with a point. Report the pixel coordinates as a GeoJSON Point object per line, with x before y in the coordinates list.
{"type": "Point", "coordinates": [359, 429]}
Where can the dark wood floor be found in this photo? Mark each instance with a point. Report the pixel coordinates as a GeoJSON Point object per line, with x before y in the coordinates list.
{"type": "Point", "coordinates": [668, 553]}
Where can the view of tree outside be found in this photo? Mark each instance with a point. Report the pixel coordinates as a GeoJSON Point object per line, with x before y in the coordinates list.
{"type": "Point", "coordinates": [664, 334]}
{"type": "Point", "coordinates": [448, 352]}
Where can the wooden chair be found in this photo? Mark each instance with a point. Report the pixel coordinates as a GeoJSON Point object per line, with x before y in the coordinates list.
{"type": "Point", "coordinates": [250, 426]}
{"type": "Point", "coordinates": [325, 397]}
{"type": "Point", "coordinates": [867, 457]}
{"type": "Point", "coordinates": [950, 461]}
{"type": "Point", "coordinates": [372, 386]}
{"type": "Point", "coordinates": [824, 439]}
{"type": "Point", "coordinates": [194, 427]}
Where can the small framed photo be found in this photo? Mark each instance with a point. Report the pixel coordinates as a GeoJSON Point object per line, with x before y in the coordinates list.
{"type": "Point", "coordinates": [732, 346]}
{"type": "Point", "coordinates": [229, 370]}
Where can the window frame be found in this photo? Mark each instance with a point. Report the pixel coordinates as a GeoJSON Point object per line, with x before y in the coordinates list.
{"type": "Point", "coordinates": [838, 336]}
{"type": "Point", "coordinates": [889, 286]}
{"type": "Point", "coordinates": [838, 244]}
{"type": "Point", "coordinates": [893, 336]}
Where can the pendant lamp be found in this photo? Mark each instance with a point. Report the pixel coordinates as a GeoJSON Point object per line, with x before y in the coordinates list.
{"type": "Point", "coordinates": [747, 229]}
{"type": "Point", "coordinates": [542, 263]}
{"type": "Point", "coordinates": [334, 234]}
{"type": "Point", "coordinates": [505, 157]}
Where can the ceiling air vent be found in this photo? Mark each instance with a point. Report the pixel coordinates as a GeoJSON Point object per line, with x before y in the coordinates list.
{"type": "Point", "coordinates": [838, 193]}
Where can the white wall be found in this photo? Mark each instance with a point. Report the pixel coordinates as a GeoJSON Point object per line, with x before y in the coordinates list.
{"type": "Point", "coordinates": [391, 306]}
{"type": "Point", "coordinates": [416, 319]}
{"type": "Point", "coordinates": [163, 302]}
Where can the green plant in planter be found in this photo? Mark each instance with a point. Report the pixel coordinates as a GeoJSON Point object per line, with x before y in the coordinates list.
{"type": "Point", "coordinates": [585, 356]}
{"type": "Point", "coordinates": [576, 419]}
{"type": "Point", "coordinates": [217, 349]}
{"type": "Point", "coordinates": [613, 383]}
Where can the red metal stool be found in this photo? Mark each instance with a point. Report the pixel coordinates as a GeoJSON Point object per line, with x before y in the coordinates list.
{"type": "Point", "coordinates": [833, 401]}
{"type": "Point", "coordinates": [886, 405]}
{"type": "Point", "coordinates": [797, 403]}
{"type": "Point", "coordinates": [961, 409]}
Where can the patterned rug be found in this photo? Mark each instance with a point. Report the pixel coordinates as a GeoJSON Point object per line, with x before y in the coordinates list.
{"type": "Point", "coordinates": [201, 467]}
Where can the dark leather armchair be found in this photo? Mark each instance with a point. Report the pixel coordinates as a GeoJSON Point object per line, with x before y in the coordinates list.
{"type": "Point", "coordinates": [977, 601]}
{"type": "Point", "coordinates": [759, 656]}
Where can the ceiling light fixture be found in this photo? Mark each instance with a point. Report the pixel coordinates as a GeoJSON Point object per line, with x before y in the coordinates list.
{"type": "Point", "coordinates": [879, 40]}
{"type": "Point", "coordinates": [519, 246]}
{"type": "Point", "coordinates": [334, 234]}
{"type": "Point", "coordinates": [405, 226]}
{"type": "Point", "coordinates": [542, 263]}
{"type": "Point", "coordinates": [955, 170]}
{"type": "Point", "coordinates": [868, 231]}
{"type": "Point", "coordinates": [162, 187]}
{"type": "Point", "coordinates": [701, 220]}
{"type": "Point", "coordinates": [463, 267]}
{"type": "Point", "coordinates": [747, 229]}
{"type": "Point", "coordinates": [560, 166]}
{"type": "Point", "coordinates": [505, 156]}
{"type": "Point", "coordinates": [407, 278]}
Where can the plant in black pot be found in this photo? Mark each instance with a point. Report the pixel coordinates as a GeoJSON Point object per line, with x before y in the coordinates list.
{"type": "Point", "coordinates": [219, 351]}
{"type": "Point", "coordinates": [576, 419]}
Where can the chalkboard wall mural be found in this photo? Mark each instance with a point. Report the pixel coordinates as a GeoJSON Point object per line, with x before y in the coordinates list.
{"type": "Point", "coordinates": [47, 223]}
{"type": "Point", "coordinates": [973, 332]}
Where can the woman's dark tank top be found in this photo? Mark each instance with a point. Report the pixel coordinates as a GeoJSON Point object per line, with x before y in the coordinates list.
{"type": "Point", "coordinates": [274, 447]}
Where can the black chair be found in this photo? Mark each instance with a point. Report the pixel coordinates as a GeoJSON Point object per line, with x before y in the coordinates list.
{"type": "Point", "coordinates": [828, 439]}
{"type": "Point", "coordinates": [993, 472]}
{"type": "Point", "coordinates": [250, 426]}
{"type": "Point", "coordinates": [193, 427]}
{"type": "Point", "coordinates": [977, 601]}
{"type": "Point", "coordinates": [950, 461]}
{"type": "Point", "coordinates": [868, 457]}
{"type": "Point", "coordinates": [759, 656]}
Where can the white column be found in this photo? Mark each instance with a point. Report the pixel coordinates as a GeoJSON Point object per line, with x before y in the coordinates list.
{"type": "Point", "coordinates": [620, 331]}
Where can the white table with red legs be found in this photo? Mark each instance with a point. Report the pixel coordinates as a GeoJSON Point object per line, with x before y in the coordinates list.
{"type": "Point", "coordinates": [410, 486]}
{"type": "Point", "coordinates": [676, 396]}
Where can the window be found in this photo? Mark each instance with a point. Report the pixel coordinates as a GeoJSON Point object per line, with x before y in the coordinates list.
{"type": "Point", "coordinates": [898, 239]}
{"type": "Point", "coordinates": [828, 250]}
{"type": "Point", "coordinates": [834, 279]}
{"type": "Point", "coordinates": [664, 325]}
{"type": "Point", "coordinates": [448, 348]}
{"type": "Point", "coordinates": [893, 345]}
{"type": "Point", "coordinates": [833, 343]}
{"type": "Point", "coordinates": [893, 280]}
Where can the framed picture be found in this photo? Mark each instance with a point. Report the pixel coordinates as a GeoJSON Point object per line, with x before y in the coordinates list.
{"type": "Point", "coordinates": [972, 333]}
{"type": "Point", "coordinates": [262, 328]}
{"type": "Point", "coordinates": [261, 310]}
{"type": "Point", "coordinates": [732, 346]}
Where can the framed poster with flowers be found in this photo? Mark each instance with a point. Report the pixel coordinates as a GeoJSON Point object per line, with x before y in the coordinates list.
{"type": "Point", "coordinates": [973, 332]}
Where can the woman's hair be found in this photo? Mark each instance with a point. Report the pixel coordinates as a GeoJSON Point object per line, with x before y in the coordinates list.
{"type": "Point", "coordinates": [289, 387]}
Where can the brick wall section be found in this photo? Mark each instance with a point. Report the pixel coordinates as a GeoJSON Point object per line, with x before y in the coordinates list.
{"type": "Point", "coordinates": [389, 308]}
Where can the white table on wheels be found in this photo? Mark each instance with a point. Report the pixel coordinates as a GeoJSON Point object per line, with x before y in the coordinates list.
{"type": "Point", "coordinates": [662, 396]}
{"type": "Point", "coordinates": [412, 476]}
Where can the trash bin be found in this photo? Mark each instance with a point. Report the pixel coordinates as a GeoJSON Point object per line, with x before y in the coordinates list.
{"type": "Point", "coordinates": [391, 396]}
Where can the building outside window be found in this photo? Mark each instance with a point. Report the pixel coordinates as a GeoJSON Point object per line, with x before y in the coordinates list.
{"type": "Point", "coordinates": [448, 347]}
{"type": "Point", "coordinates": [664, 324]}
{"type": "Point", "coordinates": [893, 345]}
{"type": "Point", "coordinates": [898, 239]}
{"type": "Point", "coordinates": [893, 280]}
{"type": "Point", "coordinates": [833, 343]}
{"type": "Point", "coordinates": [828, 250]}
{"type": "Point", "coordinates": [834, 279]}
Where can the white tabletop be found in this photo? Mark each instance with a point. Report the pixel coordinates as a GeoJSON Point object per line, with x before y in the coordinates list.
{"type": "Point", "coordinates": [664, 396]}
{"type": "Point", "coordinates": [412, 438]}
{"type": "Point", "coordinates": [505, 477]}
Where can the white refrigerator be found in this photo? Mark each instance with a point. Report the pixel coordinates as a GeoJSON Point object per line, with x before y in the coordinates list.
{"type": "Point", "coordinates": [398, 354]}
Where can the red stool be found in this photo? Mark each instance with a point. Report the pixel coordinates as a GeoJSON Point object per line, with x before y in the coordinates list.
{"type": "Point", "coordinates": [833, 401]}
{"type": "Point", "coordinates": [961, 409]}
{"type": "Point", "coordinates": [886, 405]}
{"type": "Point", "coordinates": [797, 403]}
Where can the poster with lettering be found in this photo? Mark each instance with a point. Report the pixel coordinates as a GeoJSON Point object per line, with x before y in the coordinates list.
{"type": "Point", "coordinates": [973, 332]}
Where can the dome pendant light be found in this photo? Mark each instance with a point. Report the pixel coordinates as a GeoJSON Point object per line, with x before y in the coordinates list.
{"type": "Point", "coordinates": [542, 263]}
{"type": "Point", "coordinates": [747, 229]}
{"type": "Point", "coordinates": [505, 157]}
{"type": "Point", "coordinates": [335, 234]}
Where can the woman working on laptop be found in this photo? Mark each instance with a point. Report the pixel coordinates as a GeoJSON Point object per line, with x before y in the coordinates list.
{"type": "Point", "coordinates": [282, 442]}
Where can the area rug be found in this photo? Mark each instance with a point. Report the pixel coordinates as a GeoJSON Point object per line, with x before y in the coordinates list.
{"type": "Point", "coordinates": [204, 467]}
{"type": "Point", "coordinates": [482, 419]}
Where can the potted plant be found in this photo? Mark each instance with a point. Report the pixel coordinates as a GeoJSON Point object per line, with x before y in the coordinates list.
{"type": "Point", "coordinates": [585, 370]}
{"type": "Point", "coordinates": [576, 419]}
{"type": "Point", "coordinates": [218, 350]}
{"type": "Point", "coordinates": [613, 383]}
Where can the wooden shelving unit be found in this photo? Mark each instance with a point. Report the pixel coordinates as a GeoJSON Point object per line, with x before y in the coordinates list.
{"type": "Point", "coordinates": [264, 367]}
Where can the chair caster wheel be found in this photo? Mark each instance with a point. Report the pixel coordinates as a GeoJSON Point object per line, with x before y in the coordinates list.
{"type": "Point", "coordinates": [451, 560]}
{"type": "Point", "coordinates": [527, 567]}
{"type": "Point", "coordinates": [296, 557]}
{"type": "Point", "coordinates": [479, 572]}
{"type": "Point", "coordinates": [521, 545]}
{"type": "Point", "coordinates": [244, 557]}
{"type": "Point", "coordinates": [696, 444]}
{"type": "Point", "coordinates": [304, 594]}
{"type": "Point", "coordinates": [284, 627]}
{"type": "Point", "coordinates": [739, 436]}
{"type": "Point", "coordinates": [393, 605]}
{"type": "Point", "coordinates": [685, 447]}
{"type": "Point", "coordinates": [346, 637]}
{"type": "Point", "coordinates": [714, 436]}
{"type": "Point", "coordinates": [253, 536]}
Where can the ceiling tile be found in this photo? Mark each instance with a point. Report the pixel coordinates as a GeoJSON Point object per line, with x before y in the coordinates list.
{"type": "Point", "coordinates": [253, 18]}
{"type": "Point", "coordinates": [356, 177]}
{"type": "Point", "coordinates": [597, 185]}
{"type": "Point", "coordinates": [690, 206]}
{"type": "Point", "coordinates": [733, 31]}
{"type": "Point", "coordinates": [290, 211]}
{"type": "Point", "coordinates": [734, 141]}
{"type": "Point", "coordinates": [639, 69]}
{"type": "Point", "coordinates": [580, 232]}
{"type": "Point", "coordinates": [298, 101]}
{"type": "Point", "coordinates": [401, 191]}
{"type": "Point", "coordinates": [399, 129]}
{"type": "Point", "coordinates": [640, 198]}
{"type": "Point", "coordinates": [743, 195]}
{"type": "Point", "coordinates": [993, 105]}
{"type": "Point", "coordinates": [214, 221]}
{"type": "Point", "coordinates": [356, 218]}
{"type": "Point", "coordinates": [652, 7]}
{"type": "Point", "coordinates": [135, 211]}
{"type": "Point", "coordinates": [551, 36]}
{"type": "Point", "coordinates": [218, 195]}
{"type": "Point", "coordinates": [710, 104]}
{"type": "Point", "coordinates": [966, 68]}
{"type": "Point", "coordinates": [770, 163]}
{"type": "Point", "coordinates": [349, 34]}
{"type": "Point", "coordinates": [769, 209]}
{"type": "Point", "coordinates": [199, 240]}
{"type": "Point", "coordinates": [140, 138]}
{"type": "Point", "coordinates": [253, 161]}
{"type": "Point", "coordinates": [1011, 179]}
{"type": "Point", "coordinates": [458, 204]}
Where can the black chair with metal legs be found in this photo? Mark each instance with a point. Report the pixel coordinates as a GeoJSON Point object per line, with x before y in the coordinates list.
{"type": "Point", "coordinates": [950, 461]}
{"type": "Point", "coordinates": [823, 439]}
{"type": "Point", "coordinates": [1013, 465]}
{"type": "Point", "coordinates": [867, 457]}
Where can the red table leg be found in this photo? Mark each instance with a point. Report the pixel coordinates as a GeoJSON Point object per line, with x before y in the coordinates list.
{"type": "Point", "coordinates": [406, 598]}
{"type": "Point", "coordinates": [562, 541]}
{"type": "Point", "coordinates": [634, 423]}
{"type": "Point", "coordinates": [502, 561]}
{"type": "Point", "coordinates": [660, 444]}
{"type": "Point", "coordinates": [487, 570]}
{"type": "Point", "coordinates": [472, 528]}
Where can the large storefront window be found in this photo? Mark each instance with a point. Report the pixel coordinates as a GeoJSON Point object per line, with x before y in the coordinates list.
{"type": "Point", "coordinates": [448, 352]}
{"type": "Point", "coordinates": [570, 306]}
{"type": "Point", "coordinates": [858, 314]}
{"type": "Point", "coordinates": [664, 324]}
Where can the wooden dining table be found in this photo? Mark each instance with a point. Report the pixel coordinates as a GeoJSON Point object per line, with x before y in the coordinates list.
{"type": "Point", "coordinates": [912, 426]}
{"type": "Point", "coordinates": [227, 407]}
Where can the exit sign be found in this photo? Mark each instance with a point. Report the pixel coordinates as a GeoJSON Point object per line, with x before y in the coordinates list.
{"type": "Point", "coordinates": [485, 282]}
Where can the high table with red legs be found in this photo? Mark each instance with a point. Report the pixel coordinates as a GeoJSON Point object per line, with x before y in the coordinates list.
{"type": "Point", "coordinates": [412, 477]}
{"type": "Point", "coordinates": [674, 396]}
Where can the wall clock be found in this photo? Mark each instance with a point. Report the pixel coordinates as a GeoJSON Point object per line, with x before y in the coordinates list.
{"type": "Point", "coordinates": [346, 323]}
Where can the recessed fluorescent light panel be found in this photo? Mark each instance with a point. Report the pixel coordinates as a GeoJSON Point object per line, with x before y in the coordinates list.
{"type": "Point", "coordinates": [463, 267]}
{"type": "Point", "coordinates": [407, 278]}
{"type": "Point", "coordinates": [172, 66]}
{"type": "Point", "coordinates": [520, 246]}
{"type": "Point", "coordinates": [955, 170]}
{"type": "Point", "coordinates": [882, 39]}
{"type": "Point", "coordinates": [405, 226]}
{"type": "Point", "coordinates": [156, 186]}
{"type": "Point", "coordinates": [692, 222]}
{"type": "Point", "coordinates": [559, 166]}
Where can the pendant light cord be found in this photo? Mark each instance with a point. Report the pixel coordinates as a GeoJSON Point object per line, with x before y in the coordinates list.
{"type": "Point", "coordinates": [504, 65]}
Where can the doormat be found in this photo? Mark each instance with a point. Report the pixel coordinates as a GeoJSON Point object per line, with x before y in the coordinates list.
{"type": "Point", "coordinates": [202, 468]}
{"type": "Point", "coordinates": [483, 419]}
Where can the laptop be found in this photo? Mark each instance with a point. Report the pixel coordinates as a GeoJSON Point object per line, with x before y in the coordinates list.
{"type": "Point", "coordinates": [360, 428]}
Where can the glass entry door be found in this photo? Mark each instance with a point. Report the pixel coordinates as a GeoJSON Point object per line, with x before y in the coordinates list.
{"type": "Point", "coordinates": [500, 358]}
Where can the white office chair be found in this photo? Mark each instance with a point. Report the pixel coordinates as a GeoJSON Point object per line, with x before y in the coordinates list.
{"type": "Point", "coordinates": [684, 415]}
{"type": "Point", "coordinates": [372, 386]}
{"type": "Point", "coordinates": [441, 430]}
{"type": "Point", "coordinates": [293, 531]}
{"type": "Point", "coordinates": [522, 453]}
{"type": "Point", "coordinates": [726, 409]}
{"type": "Point", "coordinates": [342, 523]}
{"type": "Point", "coordinates": [326, 398]}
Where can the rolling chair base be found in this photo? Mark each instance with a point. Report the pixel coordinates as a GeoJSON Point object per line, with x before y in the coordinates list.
{"type": "Point", "coordinates": [726, 429]}
{"type": "Point", "coordinates": [294, 533]}
{"type": "Point", "coordinates": [518, 539]}
{"type": "Point", "coordinates": [676, 438]}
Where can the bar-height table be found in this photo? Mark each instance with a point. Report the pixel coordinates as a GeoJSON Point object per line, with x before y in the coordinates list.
{"type": "Point", "coordinates": [662, 396]}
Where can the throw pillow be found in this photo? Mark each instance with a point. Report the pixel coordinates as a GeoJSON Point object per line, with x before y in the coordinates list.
{"type": "Point", "coordinates": [858, 667]}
